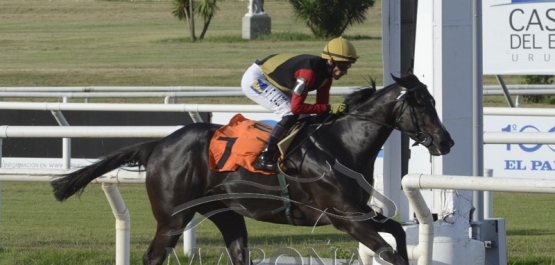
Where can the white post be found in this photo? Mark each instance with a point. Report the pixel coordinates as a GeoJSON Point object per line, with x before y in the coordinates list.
{"type": "Point", "coordinates": [189, 240]}
{"type": "Point", "coordinates": [66, 142]}
{"type": "Point", "coordinates": [123, 223]}
{"type": "Point", "coordinates": [443, 61]}
{"type": "Point", "coordinates": [488, 196]}
{"type": "Point", "coordinates": [391, 52]}
{"type": "Point", "coordinates": [1, 142]}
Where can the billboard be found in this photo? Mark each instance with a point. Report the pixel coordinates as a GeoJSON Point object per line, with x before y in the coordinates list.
{"type": "Point", "coordinates": [518, 37]}
{"type": "Point", "coordinates": [520, 160]}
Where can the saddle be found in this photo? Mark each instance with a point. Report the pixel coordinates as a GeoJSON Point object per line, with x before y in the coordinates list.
{"type": "Point", "coordinates": [239, 143]}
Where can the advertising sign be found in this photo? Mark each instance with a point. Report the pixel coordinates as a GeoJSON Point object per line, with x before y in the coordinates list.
{"type": "Point", "coordinates": [518, 37]}
{"type": "Point", "coordinates": [520, 160]}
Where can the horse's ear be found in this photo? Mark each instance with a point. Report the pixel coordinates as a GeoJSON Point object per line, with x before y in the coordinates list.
{"type": "Point", "coordinates": [373, 83]}
{"type": "Point", "coordinates": [396, 79]}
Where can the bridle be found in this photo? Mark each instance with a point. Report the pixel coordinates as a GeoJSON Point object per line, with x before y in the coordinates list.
{"type": "Point", "coordinates": [419, 136]}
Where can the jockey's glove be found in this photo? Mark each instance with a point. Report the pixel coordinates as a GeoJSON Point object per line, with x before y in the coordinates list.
{"type": "Point", "coordinates": [336, 108]}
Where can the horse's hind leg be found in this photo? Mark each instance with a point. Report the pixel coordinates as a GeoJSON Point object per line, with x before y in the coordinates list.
{"type": "Point", "coordinates": [168, 231]}
{"type": "Point", "coordinates": [163, 201]}
{"type": "Point", "coordinates": [233, 229]}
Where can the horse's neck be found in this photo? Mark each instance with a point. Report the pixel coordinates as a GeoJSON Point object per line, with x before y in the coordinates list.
{"type": "Point", "coordinates": [369, 135]}
{"type": "Point", "coordinates": [367, 130]}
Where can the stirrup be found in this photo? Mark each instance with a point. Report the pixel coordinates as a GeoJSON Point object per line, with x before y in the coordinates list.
{"type": "Point", "coordinates": [266, 161]}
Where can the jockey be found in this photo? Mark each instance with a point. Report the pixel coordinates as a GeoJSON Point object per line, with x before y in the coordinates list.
{"type": "Point", "coordinates": [281, 83]}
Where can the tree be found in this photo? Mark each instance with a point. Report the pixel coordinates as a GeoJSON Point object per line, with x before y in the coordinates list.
{"type": "Point", "coordinates": [330, 18]}
{"type": "Point", "coordinates": [182, 10]}
{"type": "Point", "coordinates": [206, 9]}
{"type": "Point", "coordinates": [203, 8]}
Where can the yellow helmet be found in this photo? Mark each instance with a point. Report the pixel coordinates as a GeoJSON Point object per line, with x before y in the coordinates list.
{"type": "Point", "coordinates": [340, 50]}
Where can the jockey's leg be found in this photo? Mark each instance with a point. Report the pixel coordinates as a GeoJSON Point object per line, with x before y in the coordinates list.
{"type": "Point", "coordinates": [268, 158]}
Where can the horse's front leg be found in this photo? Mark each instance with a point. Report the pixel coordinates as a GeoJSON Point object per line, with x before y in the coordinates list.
{"type": "Point", "coordinates": [396, 230]}
{"type": "Point", "coordinates": [366, 232]}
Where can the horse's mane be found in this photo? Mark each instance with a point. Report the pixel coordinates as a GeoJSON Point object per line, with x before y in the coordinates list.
{"type": "Point", "coordinates": [359, 97]}
{"type": "Point", "coordinates": [364, 94]}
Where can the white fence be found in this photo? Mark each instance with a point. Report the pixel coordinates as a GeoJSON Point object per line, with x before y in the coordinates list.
{"type": "Point", "coordinates": [121, 177]}
{"type": "Point", "coordinates": [173, 92]}
{"type": "Point", "coordinates": [413, 183]}
{"type": "Point", "coordinates": [108, 181]}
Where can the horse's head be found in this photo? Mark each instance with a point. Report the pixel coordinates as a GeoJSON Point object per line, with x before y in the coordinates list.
{"type": "Point", "coordinates": [416, 116]}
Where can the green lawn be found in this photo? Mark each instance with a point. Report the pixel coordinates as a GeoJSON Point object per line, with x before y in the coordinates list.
{"type": "Point", "coordinates": [36, 229]}
{"type": "Point", "coordinates": [139, 43]}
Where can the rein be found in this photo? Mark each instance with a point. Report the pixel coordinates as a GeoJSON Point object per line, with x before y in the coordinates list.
{"type": "Point", "coordinates": [291, 151]}
{"type": "Point", "coordinates": [419, 137]}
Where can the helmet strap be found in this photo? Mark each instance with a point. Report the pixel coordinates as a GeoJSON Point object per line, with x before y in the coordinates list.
{"type": "Point", "coordinates": [331, 65]}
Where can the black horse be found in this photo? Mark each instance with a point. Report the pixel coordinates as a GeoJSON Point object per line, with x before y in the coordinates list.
{"type": "Point", "coordinates": [322, 167]}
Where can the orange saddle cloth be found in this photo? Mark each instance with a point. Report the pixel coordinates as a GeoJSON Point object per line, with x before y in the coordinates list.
{"type": "Point", "coordinates": [238, 144]}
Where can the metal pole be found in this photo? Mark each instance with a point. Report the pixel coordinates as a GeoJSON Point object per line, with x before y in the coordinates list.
{"type": "Point", "coordinates": [478, 105]}
{"type": "Point", "coordinates": [505, 91]}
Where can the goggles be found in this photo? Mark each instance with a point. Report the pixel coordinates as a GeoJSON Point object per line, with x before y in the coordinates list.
{"type": "Point", "coordinates": [343, 66]}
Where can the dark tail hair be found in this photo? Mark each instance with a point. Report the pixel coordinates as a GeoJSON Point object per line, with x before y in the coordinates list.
{"type": "Point", "coordinates": [76, 181]}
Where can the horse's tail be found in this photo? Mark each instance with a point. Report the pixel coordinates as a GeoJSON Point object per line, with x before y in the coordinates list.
{"type": "Point", "coordinates": [76, 181]}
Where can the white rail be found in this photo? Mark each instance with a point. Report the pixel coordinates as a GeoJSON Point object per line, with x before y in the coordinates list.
{"type": "Point", "coordinates": [56, 106]}
{"type": "Point", "coordinates": [223, 93]}
{"type": "Point", "coordinates": [96, 89]}
{"type": "Point", "coordinates": [90, 89]}
{"type": "Point", "coordinates": [519, 138]}
{"type": "Point", "coordinates": [215, 91]}
{"type": "Point", "coordinates": [118, 176]}
{"type": "Point", "coordinates": [7, 131]}
{"type": "Point", "coordinates": [519, 111]}
{"type": "Point", "coordinates": [413, 183]}
{"type": "Point", "coordinates": [108, 180]}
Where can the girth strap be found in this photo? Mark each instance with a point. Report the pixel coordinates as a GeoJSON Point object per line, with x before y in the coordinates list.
{"type": "Point", "coordinates": [286, 199]}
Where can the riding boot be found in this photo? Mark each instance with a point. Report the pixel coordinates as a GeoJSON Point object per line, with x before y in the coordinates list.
{"type": "Point", "coordinates": [267, 160]}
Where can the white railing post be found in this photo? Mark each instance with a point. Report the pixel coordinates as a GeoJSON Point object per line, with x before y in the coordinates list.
{"type": "Point", "coordinates": [123, 223]}
{"type": "Point", "coordinates": [190, 240]}
{"type": "Point", "coordinates": [66, 142]}
{"type": "Point", "coordinates": [1, 143]}
{"type": "Point", "coordinates": [488, 197]}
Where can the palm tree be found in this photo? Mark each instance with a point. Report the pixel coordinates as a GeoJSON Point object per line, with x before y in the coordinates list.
{"type": "Point", "coordinates": [330, 18]}
{"type": "Point", "coordinates": [204, 8]}
{"type": "Point", "coordinates": [183, 10]}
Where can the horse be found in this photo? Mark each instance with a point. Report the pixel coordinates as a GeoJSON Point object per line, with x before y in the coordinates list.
{"type": "Point", "coordinates": [329, 167]}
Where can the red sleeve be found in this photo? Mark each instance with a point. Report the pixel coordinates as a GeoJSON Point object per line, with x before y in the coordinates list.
{"type": "Point", "coordinates": [307, 74]}
{"type": "Point", "coordinates": [323, 93]}
{"type": "Point", "coordinates": [299, 107]}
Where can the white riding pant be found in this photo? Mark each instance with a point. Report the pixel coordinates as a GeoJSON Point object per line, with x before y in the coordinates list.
{"type": "Point", "coordinates": [256, 87]}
